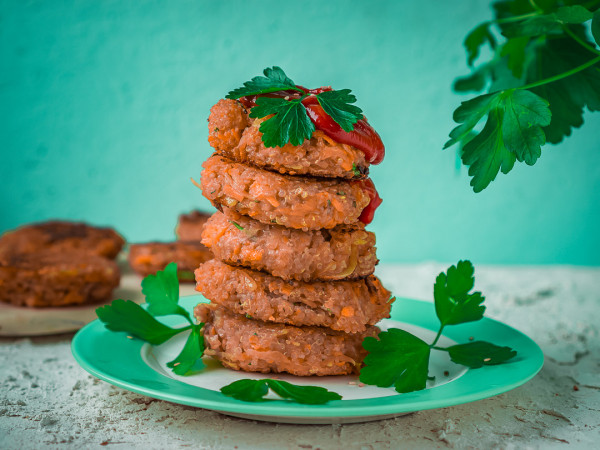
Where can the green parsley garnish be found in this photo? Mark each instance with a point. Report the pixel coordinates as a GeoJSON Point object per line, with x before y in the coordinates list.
{"type": "Point", "coordinates": [254, 391]}
{"type": "Point", "coordinates": [401, 359]}
{"type": "Point", "coordinates": [338, 106]}
{"type": "Point", "coordinates": [237, 225]}
{"type": "Point", "coordinates": [539, 80]}
{"type": "Point", "coordinates": [356, 171]}
{"type": "Point", "coordinates": [162, 297]}
{"type": "Point", "coordinates": [275, 80]}
{"type": "Point", "coordinates": [290, 121]}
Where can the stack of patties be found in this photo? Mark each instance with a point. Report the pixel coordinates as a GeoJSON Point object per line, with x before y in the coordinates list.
{"type": "Point", "coordinates": [291, 286]}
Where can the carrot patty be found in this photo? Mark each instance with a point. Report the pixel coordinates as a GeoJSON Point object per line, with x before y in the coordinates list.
{"type": "Point", "coordinates": [148, 258]}
{"type": "Point", "coordinates": [235, 135]}
{"type": "Point", "coordinates": [189, 226]}
{"type": "Point", "coordinates": [255, 346]}
{"type": "Point", "coordinates": [348, 306]}
{"type": "Point", "coordinates": [61, 236]}
{"type": "Point", "coordinates": [294, 202]}
{"type": "Point", "coordinates": [344, 252]}
{"type": "Point", "coordinates": [51, 278]}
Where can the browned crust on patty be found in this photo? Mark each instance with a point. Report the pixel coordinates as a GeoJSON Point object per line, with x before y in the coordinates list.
{"type": "Point", "coordinates": [148, 258]}
{"type": "Point", "coordinates": [61, 236]}
{"type": "Point", "coordinates": [348, 306]}
{"type": "Point", "coordinates": [50, 278]}
{"type": "Point", "coordinates": [235, 135]}
{"type": "Point", "coordinates": [255, 346]}
{"type": "Point", "coordinates": [295, 202]}
{"type": "Point", "coordinates": [189, 226]}
{"type": "Point", "coordinates": [344, 252]}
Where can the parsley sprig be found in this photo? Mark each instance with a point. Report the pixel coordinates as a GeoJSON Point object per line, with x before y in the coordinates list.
{"type": "Point", "coordinates": [162, 297]}
{"type": "Point", "coordinates": [539, 80]}
{"type": "Point", "coordinates": [290, 121]}
{"type": "Point", "coordinates": [398, 358]}
{"type": "Point", "coordinates": [254, 391]}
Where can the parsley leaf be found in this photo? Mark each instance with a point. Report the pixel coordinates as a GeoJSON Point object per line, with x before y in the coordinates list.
{"type": "Point", "coordinates": [524, 115]}
{"type": "Point", "coordinates": [479, 353]}
{"type": "Point", "coordinates": [468, 114]}
{"type": "Point", "coordinates": [401, 359]}
{"type": "Point", "coordinates": [546, 53]}
{"type": "Point", "coordinates": [514, 50]}
{"type": "Point", "coordinates": [550, 23]}
{"type": "Point", "coordinates": [476, 81]}
{"type": "Point", "coordinates": [254, 391]}
{"type": "Point", "coordinates": [162, 292]}
{"type": "Point", "coordinates": [191, 354]}
{"type": "Point", "coordinates": [337, 104]}
{"type": "Point", "coordinates": [396, 358]}
{"type": "Point", "coordinates": [476, 38]}
{"type": "Point", "coordinates": [162, 296]}
{"type": "Point", "coordinates": [568, 96]}
{"type": "Point", "coordinates": [486, 154]}
{"type": "Point", "coordinates": [453, 303]}
{"type": "Point", "coordinates": [512, 131]}
{"type": "Point", "coordinates": [289, 124]}
{"type": "Point", "coordinates": [308, 395]}
{"type": "Point", "coordinates": [128, 316]}
{"type": "Point", "coordinates": [290, 121]}
{"type": "Point", "coordinates": [274, 80]}
{"type": "Point", "coordinates": [573, 14]}
{"type": "Point", "coordinates": [247, 390]}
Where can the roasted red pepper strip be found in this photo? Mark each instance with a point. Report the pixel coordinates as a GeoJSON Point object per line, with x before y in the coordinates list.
{"type": "Point", "coordinates": [363, 136]}
{"type": "Point", "coordinates": [368, 213]}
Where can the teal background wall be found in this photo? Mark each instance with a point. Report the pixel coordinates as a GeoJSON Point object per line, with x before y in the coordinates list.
{"type": "Point", "coordinates": [103, 108]}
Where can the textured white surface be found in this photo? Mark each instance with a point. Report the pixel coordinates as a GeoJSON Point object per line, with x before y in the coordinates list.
{"type": "Point", "coordinates": [46, 399]}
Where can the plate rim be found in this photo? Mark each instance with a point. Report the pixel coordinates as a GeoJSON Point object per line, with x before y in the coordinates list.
{"type": "Point", "coordinates": [529, 362]}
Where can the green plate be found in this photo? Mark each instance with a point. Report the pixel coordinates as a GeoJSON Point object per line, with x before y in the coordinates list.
{"type": "Point", "coordinates": [139, 367]}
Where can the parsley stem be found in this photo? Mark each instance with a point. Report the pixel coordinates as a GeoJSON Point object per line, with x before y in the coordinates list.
{"type": "Point", "coordinates": [435, 347]}
{"type": "Point", "coordinates": [560, 76]}
{"type": "Point", "coordinates": [535, 6]}
{"type": "Point", "coordinates": [580, 41]}
{"type": "Point", "coordinates": [188, 318]}
{"type": "Point", "coordinates": [437, 338]}
{"type": "Point", "coordinates": [515, 18]}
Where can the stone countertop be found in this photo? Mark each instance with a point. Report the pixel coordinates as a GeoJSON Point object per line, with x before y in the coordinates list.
{"type": "Point", "coordinates": [47, 400]}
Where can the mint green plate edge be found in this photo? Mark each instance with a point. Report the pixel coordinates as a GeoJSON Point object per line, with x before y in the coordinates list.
{"type": "Point", "coordinates": [114, 358]}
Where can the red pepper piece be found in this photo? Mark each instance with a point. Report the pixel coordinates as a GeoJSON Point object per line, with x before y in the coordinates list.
{"type": "Point", "coordinates": [363, 136]}
{"type": "Point", "coordinates": [368, 213]}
